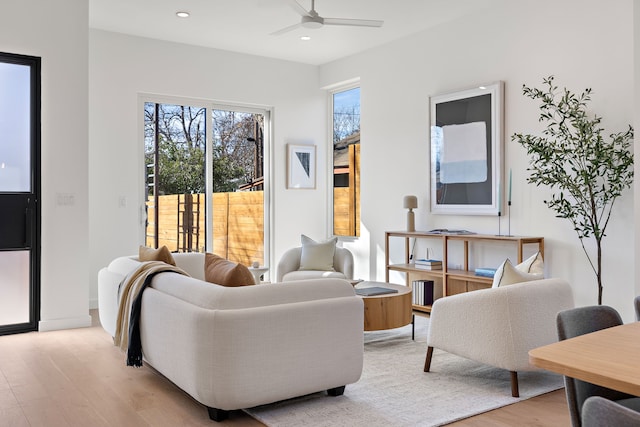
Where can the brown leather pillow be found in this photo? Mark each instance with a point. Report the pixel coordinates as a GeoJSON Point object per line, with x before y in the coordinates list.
{"type": "Point", "coordinates": [161, 254]}
{"type": "Point", "coordinates": [223, 272]}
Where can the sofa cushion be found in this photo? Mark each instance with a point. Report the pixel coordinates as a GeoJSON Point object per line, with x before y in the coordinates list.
{"type": "Point", "coordinates": [312, 274]}
{"type": "Point", "coordinates": [507, 274]}
{"type": "Point", "coordinates": [317, 255]}
{"type": "Point", "coordinates": [223, 272]}
{"type": "Point", "coordinates": [150, 254]}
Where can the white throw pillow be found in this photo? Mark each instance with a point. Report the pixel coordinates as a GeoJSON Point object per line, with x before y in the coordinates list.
{"type": "Point", "coordinates": [317, 255]}
{"type": "Point", "coordinates": [507, 274]}
{"type": "Point", "coordinates": [534, 264]}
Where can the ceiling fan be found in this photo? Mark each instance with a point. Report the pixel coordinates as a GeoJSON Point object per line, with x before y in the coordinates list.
{"type": "Point", "coordinates": [311, 19]}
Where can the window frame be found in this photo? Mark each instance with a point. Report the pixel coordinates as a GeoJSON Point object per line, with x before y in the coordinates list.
{"type": "Point", "coordinates": [342, 87]}
{"type": "Point", "coordinates": [211, 105]}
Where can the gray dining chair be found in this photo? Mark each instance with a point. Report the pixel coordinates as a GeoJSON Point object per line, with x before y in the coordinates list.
{"type": "Point", "coordinates": [636, 305]}
{"type": "Point", "coordinates": [579, 321]}
{"type": "Point", "coordinates": [600, 412]}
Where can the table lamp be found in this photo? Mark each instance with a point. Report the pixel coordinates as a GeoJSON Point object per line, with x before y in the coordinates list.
{"type": "Point", "coordinates": [411, 203]}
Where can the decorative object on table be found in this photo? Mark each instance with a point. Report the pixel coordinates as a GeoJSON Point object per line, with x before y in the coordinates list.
{"type": "Point", "coordinates": [301, 166]}
{"type": "Point", "coordinates": [587, 173]}
{"type": "Point", "coordinates": [466, 151]}
{"type": "Point", "coordinates": [448, 231]}
{"type": "Point", "coordinates": [258, 272]}
{"type": "Point", "coordinates": [411, 203]}
{"type": "Point", "coordinates": [375, 290]}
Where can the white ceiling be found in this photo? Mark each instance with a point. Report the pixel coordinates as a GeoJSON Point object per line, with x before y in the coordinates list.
{"type": "Point", "coordinates": [245, 25]}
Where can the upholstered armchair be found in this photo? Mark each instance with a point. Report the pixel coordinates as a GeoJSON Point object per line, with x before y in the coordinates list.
{"type": "Point", "coordinates": [289, 266]}
{"type": "Point", "coordinates": [498, 326]}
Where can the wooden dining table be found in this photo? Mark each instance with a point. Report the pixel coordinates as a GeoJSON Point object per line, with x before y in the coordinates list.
{"type": "Point", "coordinates": [609, 357]}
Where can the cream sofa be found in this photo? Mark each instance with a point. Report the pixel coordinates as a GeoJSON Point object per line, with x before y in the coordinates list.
{"type": "Point", "coordinates": [499, 326]}
{"type": "Point", "coordinates": [233, 348]}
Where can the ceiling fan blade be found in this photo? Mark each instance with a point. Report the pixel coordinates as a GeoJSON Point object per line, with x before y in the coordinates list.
{"type": "Point", "coordinates": [299, 9]}
{"type": "Point", "coordinates": [353, 22]}
{"type": "Point", "coordinates": [285, 29]}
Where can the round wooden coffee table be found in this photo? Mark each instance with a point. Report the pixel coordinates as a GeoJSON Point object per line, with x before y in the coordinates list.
{"type": "Point", "coordinates": [386, 311]}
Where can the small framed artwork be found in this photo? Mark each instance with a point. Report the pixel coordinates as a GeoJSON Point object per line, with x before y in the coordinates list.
{"type": "Point", "coordinates": [301, 166]}
{"type": "Point", "coordinates": [466, 151]}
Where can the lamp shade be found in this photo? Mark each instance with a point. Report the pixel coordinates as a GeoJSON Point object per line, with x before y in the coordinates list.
{"type": "Point", "coordinates": [410, 202]}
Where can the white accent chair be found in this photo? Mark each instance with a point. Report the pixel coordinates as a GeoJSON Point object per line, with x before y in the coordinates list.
{"type": "Point", "coordinates": [289, 266]}
{"type": "Point", "coordinates": [498, 326]}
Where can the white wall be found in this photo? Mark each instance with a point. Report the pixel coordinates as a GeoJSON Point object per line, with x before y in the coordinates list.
{"type": "Point", "coordinates": [583, 43]}
{"type": "Point", "coordinates": [58, 32]}
{"type": "Point", "coordinates": [519, 44]}
{"type": "Point", "coordinates": [122, 67]}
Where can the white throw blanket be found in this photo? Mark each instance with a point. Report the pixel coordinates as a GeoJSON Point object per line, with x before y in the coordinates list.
{"type": "Point", "coordinates": [127, 335]}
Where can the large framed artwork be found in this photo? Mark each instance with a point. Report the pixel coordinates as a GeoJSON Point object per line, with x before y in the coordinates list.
{"type": "Point", "coordinates": [466, 151]}
{"type": "Point", "coordinates": [301, 166]}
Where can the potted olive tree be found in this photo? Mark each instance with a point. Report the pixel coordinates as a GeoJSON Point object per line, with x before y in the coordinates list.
{"type": "Point", "coordinates": [586, 172]}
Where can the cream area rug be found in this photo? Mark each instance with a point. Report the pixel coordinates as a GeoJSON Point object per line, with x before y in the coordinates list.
{"type": "Point", "coordinates": [394, 390]}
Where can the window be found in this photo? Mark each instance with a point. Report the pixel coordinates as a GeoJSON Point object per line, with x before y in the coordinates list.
{"type": "Point", "coordinates": [345, 106]}
{"type": "Point", "coordinates": [195, 151]}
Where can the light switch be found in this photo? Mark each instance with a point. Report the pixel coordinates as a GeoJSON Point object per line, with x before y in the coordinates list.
{"type": "Point", "coordinates": [65, 199]}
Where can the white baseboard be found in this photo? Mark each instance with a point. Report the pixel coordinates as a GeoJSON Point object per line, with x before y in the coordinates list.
{"type": "Point", "coordinates": [67, 323]}
{"type": "Point", "coordinates": [93, 303]}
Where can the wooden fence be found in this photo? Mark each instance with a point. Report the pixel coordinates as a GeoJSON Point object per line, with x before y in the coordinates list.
{"type": "Point", "coordinates": [238, 224]}
{"type": "Point", "coordinates": [346, 200]}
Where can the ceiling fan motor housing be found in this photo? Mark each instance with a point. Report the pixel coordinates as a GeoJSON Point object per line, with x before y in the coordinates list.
{"type": "Point", "coordinates": [312, 22]}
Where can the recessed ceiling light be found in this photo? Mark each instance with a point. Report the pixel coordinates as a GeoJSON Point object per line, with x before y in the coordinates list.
{"type": "Point", "coordinates": [182, 14]}
{"type": "Point", "coordinates": [305, 38]}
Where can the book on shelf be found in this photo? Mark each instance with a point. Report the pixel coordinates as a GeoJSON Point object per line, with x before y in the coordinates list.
{"type": "Point", "coordinates": [428, 261]}
{"type": "Point", "coordinates": [485, 272]}
{"type": "Point", "coordinates": [422, 292]}
{"type": "Point", "coordinates": [428, 264]}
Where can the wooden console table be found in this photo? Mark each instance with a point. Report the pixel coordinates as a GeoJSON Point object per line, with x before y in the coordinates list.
{"type": "Point", "coordinates": [465, 279]}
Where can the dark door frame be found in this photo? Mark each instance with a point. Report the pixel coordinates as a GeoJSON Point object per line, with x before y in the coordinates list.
{"type": "Point", "coordinates": [30, 200]}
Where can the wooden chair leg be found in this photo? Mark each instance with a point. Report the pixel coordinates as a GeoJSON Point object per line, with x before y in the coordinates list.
{"type": "Point", "coordinates": [514, 384]}
{"type": "Point", "coordinates": [427, 361]}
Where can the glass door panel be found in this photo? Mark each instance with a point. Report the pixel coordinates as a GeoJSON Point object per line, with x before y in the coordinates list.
{"type": "Point", "coordinates": [175, 137]}
{"type": "Point", "coordinates": [238, 186]}
{"type": "Point", "coordinates": [15, 128]}
{"type": "Point", "coordinates": [14, 287]}
{"type": "Point", "coordinates": [191, 152]}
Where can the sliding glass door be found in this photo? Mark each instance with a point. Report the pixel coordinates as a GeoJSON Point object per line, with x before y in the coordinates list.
{"type": "Point", "coordinates": [204, 168]}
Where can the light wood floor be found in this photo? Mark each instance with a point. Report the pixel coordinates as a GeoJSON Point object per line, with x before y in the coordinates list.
{"type": "Point", "coordinates": [78, 378]}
